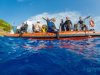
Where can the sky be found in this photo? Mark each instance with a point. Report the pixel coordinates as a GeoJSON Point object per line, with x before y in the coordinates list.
{"type": "Point", "coordinates": [17, 11]}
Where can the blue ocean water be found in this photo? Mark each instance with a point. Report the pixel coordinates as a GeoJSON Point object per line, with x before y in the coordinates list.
{"type": "Point", "coordinates": [21, 56]}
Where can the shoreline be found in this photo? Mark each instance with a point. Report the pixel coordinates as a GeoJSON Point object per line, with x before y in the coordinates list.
{"type": "Point", "coordinates": [2, 33]}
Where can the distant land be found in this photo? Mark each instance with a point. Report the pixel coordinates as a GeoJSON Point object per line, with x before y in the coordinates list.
{"type": "Point", "coordinates": [5, 27]}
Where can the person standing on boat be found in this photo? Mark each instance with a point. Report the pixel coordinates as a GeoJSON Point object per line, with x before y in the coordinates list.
{"type": "Point", "coordinates": [62, 27]}
{"type": "Point", "coordinates": [37, 27]}
{"type": "Point", "coordinates": [68, 24]}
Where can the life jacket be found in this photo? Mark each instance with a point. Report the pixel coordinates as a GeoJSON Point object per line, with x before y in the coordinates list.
{"type": "Point", "coordinates": [44, 28]}
{"type": "Point", "coordinates": [91, 23]}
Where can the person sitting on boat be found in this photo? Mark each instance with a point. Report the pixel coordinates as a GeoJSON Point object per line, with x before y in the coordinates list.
{"type": "Point", "coordinates": [62, 27]}
{"type": "Point", "coordinates": [37, 27]}
{"type": "Point", "coordinates": [24, 27]}
{"type": "Point", "coordinates": [76, 27]}
{"type": "Point", "coordinates": [18, 29]}
{"type": "Point", "coordinates": [92, 24]}
{"type": "Point", "coordinates": [44, 28]}
{"type": "Point", "coordinates": [33, 27]}
{"type": "Point", "coordinates": [68, 24]}
{"type": "Point", "coordinates": [51, 25]}
{"type": "Point", "coordinates": [81, 23]}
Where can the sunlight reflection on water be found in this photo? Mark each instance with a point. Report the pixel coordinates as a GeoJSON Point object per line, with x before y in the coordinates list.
{"type": "Point", "coordinates": [72, 51]}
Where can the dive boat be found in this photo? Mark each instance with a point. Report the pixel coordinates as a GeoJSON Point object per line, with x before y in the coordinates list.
{"type": "Point", "coordinates": [51, 35]}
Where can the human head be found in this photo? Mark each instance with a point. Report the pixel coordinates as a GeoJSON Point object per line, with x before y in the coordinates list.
{"type": "Point", "coordinates": [53, 19]}
{"type": "Point", "coordinates": [80, 18]}
{"type": "Point", "coordinates": [61, 20]}
{"type": "Point", "coordinates": [67, 18]}
{"type": "Point", "coordinates": [48, 18]}
{"type": "Point", "coordinates": [38, 21]}
{"type": "Point", "coordinates": [23, 24]}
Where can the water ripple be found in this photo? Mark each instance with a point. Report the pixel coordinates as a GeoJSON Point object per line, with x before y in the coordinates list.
{"type": "Point", "coordinates": [57, 55]}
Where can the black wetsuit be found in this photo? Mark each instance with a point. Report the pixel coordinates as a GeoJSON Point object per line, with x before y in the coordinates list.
{"type": "Point", "coordinates": [81, 24]}
{"type": "Point", "coordinates": [62, 26]}
{"type": "Point", "coordinates": [24, 28]}
{"type": "Point", "coordinates": [68, 24]}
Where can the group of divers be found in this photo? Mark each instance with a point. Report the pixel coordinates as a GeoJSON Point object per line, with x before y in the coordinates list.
{"type": "Point", "coordinates": [63, 26]}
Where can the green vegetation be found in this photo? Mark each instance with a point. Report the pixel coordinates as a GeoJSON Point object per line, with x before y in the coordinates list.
{"type": "Point", "coordinates": [4, 26]}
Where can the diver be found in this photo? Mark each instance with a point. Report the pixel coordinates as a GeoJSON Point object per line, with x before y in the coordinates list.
{"type": "Point", "coordinates": [62, 27]}
{"type": "Point", "coordinates": [38, 27]}
{"type": "Point", "coordinates": [51, 26]}
{"type": "Point", "coordinates": [23, 29]}
{"type": "Point", "coordinates": [81, 23]}
{"type": "Point", "coordinates": [68, 24]}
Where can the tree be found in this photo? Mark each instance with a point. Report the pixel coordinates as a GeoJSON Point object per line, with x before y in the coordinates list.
{"type": "Point", "coordinates": [5, 26]}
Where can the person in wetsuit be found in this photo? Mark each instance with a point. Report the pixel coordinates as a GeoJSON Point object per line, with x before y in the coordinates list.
{"type": "Point", "coordinates": [23, 29]}
{"type": "Point", "coordinates": [81, 23]}
{"type": "Point", "coordinates": [62, 27]}
{"type": "Point", "coordinates": [68, 24]}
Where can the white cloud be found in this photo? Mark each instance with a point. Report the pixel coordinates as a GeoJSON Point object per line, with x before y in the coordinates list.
{"type": "Point", "coordinates": [74, 16]}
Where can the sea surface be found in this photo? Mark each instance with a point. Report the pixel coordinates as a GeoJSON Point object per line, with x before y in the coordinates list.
{"type": "Point", "coordinates": [23, 56]}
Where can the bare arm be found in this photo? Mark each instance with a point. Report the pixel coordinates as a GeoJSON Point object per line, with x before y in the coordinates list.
{"type": "Point", "coordinates": [44, 18]}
